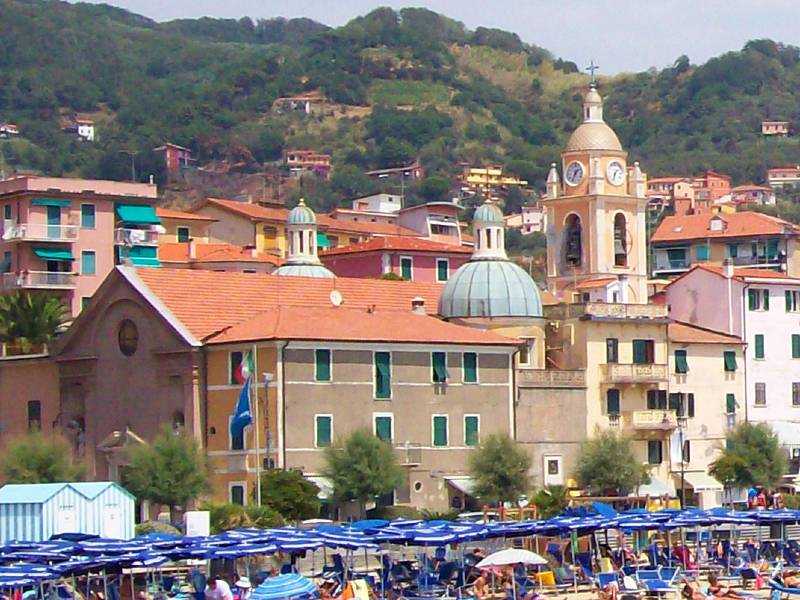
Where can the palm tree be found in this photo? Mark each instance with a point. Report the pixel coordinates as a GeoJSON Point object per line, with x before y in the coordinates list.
{"type": "Point", "coordinates": [30, 319]}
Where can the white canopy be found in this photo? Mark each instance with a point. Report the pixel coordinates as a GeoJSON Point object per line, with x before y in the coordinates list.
{"type": "Point", "coordinates": [700, 481]}
{"type": "Point", "coordinates": [511, 556]}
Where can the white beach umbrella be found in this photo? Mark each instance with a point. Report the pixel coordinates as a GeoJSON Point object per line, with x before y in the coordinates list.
{"type": "Point", "coordinates": [511, 556]}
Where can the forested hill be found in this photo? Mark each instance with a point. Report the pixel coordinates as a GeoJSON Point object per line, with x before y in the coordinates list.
{"type": "Point", "coordinates": [399, 85]}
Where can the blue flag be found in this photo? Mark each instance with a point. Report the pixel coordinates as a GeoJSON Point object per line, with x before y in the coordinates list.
{"type": "Point", "coordinates": [241, 414]}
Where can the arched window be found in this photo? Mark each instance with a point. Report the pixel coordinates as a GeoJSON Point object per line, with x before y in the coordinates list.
{"type": "Point", "coordinates": [573, 243]}
{"type": "Point", "coordinates": [302, 242]}
{"type": "Point", "coordinates": [620, 241]}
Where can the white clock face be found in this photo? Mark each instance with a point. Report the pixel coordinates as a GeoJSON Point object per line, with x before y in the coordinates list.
{"type": "Point", "coordinates": [574, 173]}
{"type": "Point", "coordinates": [615, 172]}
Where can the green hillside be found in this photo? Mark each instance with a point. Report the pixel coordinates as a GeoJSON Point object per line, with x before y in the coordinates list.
{"type": "Point", "coordinates": [399, 85]}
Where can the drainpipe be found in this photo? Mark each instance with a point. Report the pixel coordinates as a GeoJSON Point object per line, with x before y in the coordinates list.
{"type": "Point", "coordinates": [280, 402]}
{"type": "Point", "coordinates": [744, 352]}
{"type": "Point", "coordinates": [727, 271]}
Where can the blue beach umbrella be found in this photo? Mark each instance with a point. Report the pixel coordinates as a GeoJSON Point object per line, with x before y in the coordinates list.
{"type": "Point", "coordinates": [290, 586]}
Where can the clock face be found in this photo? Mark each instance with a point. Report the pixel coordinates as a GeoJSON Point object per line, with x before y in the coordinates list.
{"type": "Point", "coordinates": [615, 172]}
{"type": "Point", "coordinates": [574, 173]}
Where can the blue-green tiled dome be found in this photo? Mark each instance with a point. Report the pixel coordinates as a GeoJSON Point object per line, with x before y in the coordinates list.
{"type": "Point", "coordinates": [303, 271]}
{"type": "Point", "coordinates": [488, 212]}
{"type": "Point", "coordinates": [301, 215]}
{"type": "Point", "coordinates": [490, 288]}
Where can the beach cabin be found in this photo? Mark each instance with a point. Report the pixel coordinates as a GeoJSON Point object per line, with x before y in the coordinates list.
{"type": "Point", "coordinates": [35, 512]}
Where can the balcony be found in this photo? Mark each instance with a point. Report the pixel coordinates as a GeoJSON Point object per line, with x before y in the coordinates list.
{"type": "Point", "coordinates": [768, 262]}
{"type": "Point", "coordinates": [135, 237]}
{"type": "Point", "coordinates": [551, 378]}
{"type": "Point", "coordinates": [658, 420]}
{"type": "Point", "coordinates": [607, 310]}
{"type": "Point", "coordinates": [44, 280]}
{"type": "Point", "coordinates": [39, 232]}
{"type": "Point", "coordinates": [409, 454]}
{"type": "Point", "coordinates": [631, 373]}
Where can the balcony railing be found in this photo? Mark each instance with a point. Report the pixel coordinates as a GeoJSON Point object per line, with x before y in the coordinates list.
{"type": "Point", "coordinates": [632, 373]}
{"type": "Point", "coordinates": [614, 421]}
{"type": "Point", "coordinates": [39, 232]}
{"type": "Point", "coordinates": [135, 237]}
{"type": "Point", "coordinates": [658, 419]}
{"type": "Point", "coordinates": [39, 280]}
{"type": "Point", "coordinates": [556, 378]}
{"type": "Point", "coordinates": [409, 454]}
{"type": "Point", "coordinates": [751, 261]}
{"type": "Point", "coordinates": [607, 310]}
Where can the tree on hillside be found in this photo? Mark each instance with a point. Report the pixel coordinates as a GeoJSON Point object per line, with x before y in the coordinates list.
{"type": "Point", "coordinates": [606, 464]}
{"type": "Point", "coordinates": [290, 494]}
{"type": "Point", "coordinates": [500, 469]}
{"type": "Point", "coordinates": [171, 471]}
{"type": "Point", "coordinates": [27, 318]}
{"type": "Point", "coordinates": [35, 458]}
{"type": "Point", "coordinates": [361, 468]}
{"type": "Point", "coordinates": [752, 457]}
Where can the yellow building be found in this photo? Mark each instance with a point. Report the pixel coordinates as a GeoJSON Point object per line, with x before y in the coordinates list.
{"type": "Point", "coordinates": [179, 226]}
{"type": "Point", "coordinates": [489, 181]}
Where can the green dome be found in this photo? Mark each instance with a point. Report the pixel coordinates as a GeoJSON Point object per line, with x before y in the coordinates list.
{"type": "Point", "coordinates": [488, 213]}
{"type": "Point", "coordinates": [301, 215]}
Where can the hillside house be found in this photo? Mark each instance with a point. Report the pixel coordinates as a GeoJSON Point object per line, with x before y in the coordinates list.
{"type": "Point", "coordinates": [770, 128]}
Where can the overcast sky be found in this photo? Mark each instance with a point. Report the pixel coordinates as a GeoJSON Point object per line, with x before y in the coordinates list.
{"type": "Point", "coordinates": [621, 35]}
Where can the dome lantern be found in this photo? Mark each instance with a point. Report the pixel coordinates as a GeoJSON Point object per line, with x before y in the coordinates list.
{"type": "Point", "coordinates": [489, 232]}
{"type": "Point", "coordinates": [301, 231]}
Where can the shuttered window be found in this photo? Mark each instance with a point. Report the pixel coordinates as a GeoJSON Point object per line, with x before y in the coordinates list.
{"type": "Point", "coordinates": [795, 345]}
{"type": "Point", "coordinates": [237, 494]}
{"type": "Point", "coordinates": [440, 430]}
{"type": "Point", "coordinates": [322, 364]}
{"type": "Point", "coordinates": [654, 456]}
{"type": "Point", "coordinates": [471, 432]}
{"type": "Point", "coordinates": [442, 269]}
{"type": "Point", "coordinates": [730, 404]}
{"type": "Point", "coordinates": [690, 405]}
{"type": "Point", "coordinates": [681, 364]}
{"type": "Point", "coordinates": [470, 367]}
{"type": "Point", "coordinates": [656, 399]}
{"type": "Point", "coordinates": [729, 357]}
{"type": "Point", "coordinates": [612, 401]}
{"type": "Point", "coordinates": [383, 375]}
{"type": "Point", "coordinates": [759, 345]}
{"type": "Point", "coordinates": [406, 265]}
{"type": "Point", "coordinates": [612, 350]}
{"type": "Point", "coordinates": [324, 429]}
{"type": "Point", "coordinates": [439, 367]}
{"type": "Point", "coordinates": [383, 428]}
{"type": "Point", "coordinates": [643, 352]}
{"type": "Point", "coordinates": [702, 253]}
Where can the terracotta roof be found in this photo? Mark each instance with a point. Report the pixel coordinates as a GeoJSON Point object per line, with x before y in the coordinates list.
{"type": "Point", "coordinates": [179, 253]}
{"type": "Point", "coordinates": [332, 323]}
{"type": "Point", "coordinates": [691, 334]}
{"type": "Point", "coordinates": [366, 227]}
{"type": "Point", "coordinates": [208, 301]}
{"type": "Point", "coordinates": [741, 224]}
{"type": "Point", "coordinates": [592, 284]}
{"type": "Point", "coordinates": [168, 213]}
{"type": "Point", "coordinates": [742, 274]}
{"type": "Point", "coordinates": [751, 188]}
{"type": "Point", "coordinates": [673, 179]}
{"type": "Point", "coordinates": [254, 212]}
{"type": "Point", "coordinates": [405, 244]}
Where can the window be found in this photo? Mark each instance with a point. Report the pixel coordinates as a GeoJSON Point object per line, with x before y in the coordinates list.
{"type": "Point", "coordinates": [796, 393]}
{"type": "Point", "coordinates": [620, 241]}
{"type": "Point", "coordinates": [761, 394]}
{"type": "Point", "coordinates": [87, 216]}
{"type": "Point", "coordinates": [730, 404]}
{"type": "Point", "coordinates": [524, 356]}
{"type": "Point", "coordinates": [758, 299]}
{"type": "Point", "coordinates": [88, 266]}
{"type": "Point", "coordinates": [759, 343]}
{"type": "Point", "coordinates": [7, 211]}
{"type": "Point", "coordinates": [384, 427]}
{"type": "Point", "coordinates": [236, 441]}
{"type": "Point", "coordinates": [729, 358]}
{"type": "Point", "coordinates": [85, 301]}
{"type": "Point", "coordinates": [792, 301]}
{"type": "Point", "coordinates": [322, 364]}
{"type": "Point", "coordinates": [234, 360]}
{"type": "Point", "coordinates": [470, 367]}
{"type": "Point", "coordinates": [656, 399]}
{"type": "Point", "coordinates": [612, 350]}
{"type": "Point", "coordinates": [733, 250]}
{"type": "Point", "coordinates": [383, 375]}
{"type": "Point", "coordinates": [440, 430]}
{"type": "Point", "coordinates": [612, 401]}
{"type": "Point", "coordinates": [686, 452]}
{"type": "Point", "coordinates": [442, 269]}
{"type": "Point", "coordinates": [128, 337]}
{"type": "Point", "coordinates": [7, 261]}
{"type": "Point", "coordinates": [323, 430]}
{"type": "Point", "coordinates": [702, 253]}
{"type": "Point", "coordinates": [573, 243]}
{"type": "Point", "coordinates": [654, 455]}
{"type": "Point", "coordinates": [643, 352]}
{"type": "Point", "coordinates": [406, 267]}
{"type": "Point", "coordinates": [34, 415]}
{"type": "Point", "coordinates": [682, 404]}
{"type": "Point", "coordinates": [472, 426]}
{"type": "Point", "coordinates": [237, 494]}
{"type": "Point", "coordinates": [438, 367]}
{"type": "Point", "coordinates": [681, 364]}
{"type": "Point", "coordinates": [795, 345]}
{"type": "Point", "coordinates": [183, 234]}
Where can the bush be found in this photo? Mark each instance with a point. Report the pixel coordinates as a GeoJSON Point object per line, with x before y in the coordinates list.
{"type": "Point", "coordinates": [155, 527]}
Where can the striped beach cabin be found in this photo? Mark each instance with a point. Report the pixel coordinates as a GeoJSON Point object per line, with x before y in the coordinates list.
{"type": "Point", "coordinates": [35, 512]}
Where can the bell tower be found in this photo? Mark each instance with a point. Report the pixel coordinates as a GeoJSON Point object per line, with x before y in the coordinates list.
{"type": "Point", "coordinates": [596, 209]}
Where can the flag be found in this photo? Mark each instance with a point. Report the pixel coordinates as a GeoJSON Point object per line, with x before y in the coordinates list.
{"type": "Point", "coordinates": [245, 368]}
{"type": "Point", "coordinates": [242, 417]}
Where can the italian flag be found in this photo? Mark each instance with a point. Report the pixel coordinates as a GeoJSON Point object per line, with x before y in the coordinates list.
{"type": "Point", "coordinates": [245, 368]}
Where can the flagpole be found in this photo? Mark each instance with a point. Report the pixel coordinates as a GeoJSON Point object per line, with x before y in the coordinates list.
{"type": "Point", "coordinates": [254, 375]}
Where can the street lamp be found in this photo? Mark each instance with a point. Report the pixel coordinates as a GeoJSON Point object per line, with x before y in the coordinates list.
{"type": "Point", "coordinates": [267, 377]}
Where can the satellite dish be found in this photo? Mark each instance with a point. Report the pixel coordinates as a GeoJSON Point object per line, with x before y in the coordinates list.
{"type": "Point", "coordinates": [336, 298]}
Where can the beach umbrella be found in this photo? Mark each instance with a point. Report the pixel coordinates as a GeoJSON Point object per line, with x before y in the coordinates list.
{"type": "Point", "coordinates": [511, 556]}
{"type": "Point", "coordinates": [290, 586]}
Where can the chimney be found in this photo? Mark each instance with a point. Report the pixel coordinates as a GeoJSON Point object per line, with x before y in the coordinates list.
{"type": "Point", "coordinates": [418, 305]}
{"type": "Point", "coordinates": [727, 268]}
{"type": "Point", "coordinates": [251, 250]}
{"type": "Point", "coordinates": [192, 248]}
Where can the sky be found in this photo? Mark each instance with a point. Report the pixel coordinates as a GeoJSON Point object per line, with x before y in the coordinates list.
{"type": "Point", "coordinates": [620, 35]}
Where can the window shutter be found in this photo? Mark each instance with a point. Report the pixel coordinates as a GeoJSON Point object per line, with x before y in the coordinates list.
{"type": "Point", "coordinates": [383, 428]}
{"type": "Point", "coordinates": [470, 367]}
{"type": "Point", "coordinates": [788, 297]}
{"type": "Point", "coordinates": [654, 452]}
{"type": "Point", "coordinates": [440, 431]}
{"type": "Point", "coordinates": [441, 270]}
{"type": "Point", "coordinates": [766, 299]}
{"type": "Point", "coordinates": [759, 346]}
{"type": "Point", "coordinates": [652, 399]}
{"type": "Point", "coordinates": [681, 364]}
{"type": "Point", "coordinates": [639, 352]}
{"type": "Point", "coordinates": [612, 401]}
{"type": "Point", "coordinates": [729, 357]}
{"type": "Point", "coordinates": [730, 403]}
{"type": "Point", "coordinates": [383, 375]}
{"type": "Point", "coordinates": [675, 403]}
{"type": "Point", "coordinates": [691, 405]}
{"type": "Point", "coordinates": [752, 299]}
{"type": "Point", "coordinates": [471, 430]}
{"type": "Point", "coordinates": [439, 363]}
{"type": "Point", "coordinates": [612, 350]}
{"type": "Point", "coordinates": [795, 345]}
{"type": "Point", "coordinates": [323, 432]}
{"type": "Point", "coordinates": [662, 399]}
{"type": "Point", "coordinates": [322, 359]}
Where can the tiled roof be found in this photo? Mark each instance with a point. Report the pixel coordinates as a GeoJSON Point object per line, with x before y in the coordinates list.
{"type": "Point", "coordinates": [254, 212]}
{"type": "Point", "coordinates": [207, 301]}
{"type": "Point", "coordinates": [179, 252]}
{"type": "Point", "coordinates": [593, 284]}
{"type": "Point", "coordinates": [168, 213]}
{"type": "Point", "coordinates": [691, 334]}
{"type": "Point", "coordinates": [404, 244]}
{"type": "Point", "coordinates": [674, 179]}
{"type": "Point", "coordinates": [332, 323]}
{"type": "Point", "coordinates": [364, 227]}
{"type": "Point", "coordinates": [751, 188]}
{"type": "Point", "coordinates": [742, 274]}
{"type": "Point", "coordinates": [741, 224]}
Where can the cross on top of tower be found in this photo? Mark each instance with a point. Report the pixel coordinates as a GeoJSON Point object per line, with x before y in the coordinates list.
{"type": "Point", "coordinates": [592, 68]}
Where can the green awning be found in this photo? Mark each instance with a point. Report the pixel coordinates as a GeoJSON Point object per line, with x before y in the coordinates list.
{"type": "Point", "coordinates": [50, 202]}
{"type": "Point", "coordinates": [322, 241]}
{"type": "Point", "coordinates": [141, 261]}
{"type": "Point", "coordinates": [137, 213]}
{"type": "Point", "coordinates": [53, 254]}
{"type": "Point", "coordinates": [143, 256]}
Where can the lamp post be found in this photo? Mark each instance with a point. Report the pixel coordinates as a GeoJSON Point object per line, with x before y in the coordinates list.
{"type": "Point", "coordinates": [268, 377]}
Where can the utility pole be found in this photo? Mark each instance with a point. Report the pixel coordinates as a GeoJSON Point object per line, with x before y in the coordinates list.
{"type": "Point", "coordinates": [133, 155]}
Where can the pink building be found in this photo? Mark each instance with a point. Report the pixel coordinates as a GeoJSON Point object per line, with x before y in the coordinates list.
{"type": "Point", "coordinates": [413, 259]}
{"type": "Point", "coordinates": [64, 236]}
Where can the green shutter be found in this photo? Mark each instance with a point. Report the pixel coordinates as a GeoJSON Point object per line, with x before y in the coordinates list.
{"type": "Point", "coordinates": [383, 375]}
{"type": "Point", "coordinates": [787, 295]}
{"type": "Point", "coordinates": [405, 268]}
{"type": "Point", "coordinates": [730, 360]}
{"type": "Point", "coordinates": [439, 364]}
{"type": "Point", "coordinates": [612, 401]}
{"type": "Point", "coordinates": [470, 367]}
{"type": "Point", "coordinates": [733, 250]}
{"type": "Point", "coordinates": [440, 431]}
{"type": "Point", "coordinates": [612, 350]}
{"type": "Point", "coordinates": [471, 430]}
{"type": "Point", "coordinates": [772, 248]}
{"type": "Point", "coordinates": [323, 431]}
{"type": "Point", "coordinates": [702, 253]}
{"type": "Point", "coordinates": [639, 352]}
{"type": "Point", "coordinates": [383, 428]}
{"type": "Point", "coordinates": [662, 399]}
{"type": "Point", "coordinates": [766, 299]}
{"type": "Point", "coordinates": [675, 403]}
{"type": "Point", "coordinates": [654, 452]}
{"type": "Point", "coordinates": [752, 299]}
{"type": "Point", "coordinates": [795, 345]}
{"type": "Point", "coordinates": [58, 254]}
{"type": "Point", "coordinates": [691, 405]}
{"type": "Point", "coordinates": [139, 214]}
{"type": "Point", "coordinates": [322, 365]}
{"type": "Point", "coordinates": [759, 345]}
{"type": "Point", "coordinates": [441, 270]}
{"type": "Point", "coordinates": [730, 404]}
{"type": "Point", "coordinates": [681, 364]}
{"type": "Point", "coordinates": [652, 399]}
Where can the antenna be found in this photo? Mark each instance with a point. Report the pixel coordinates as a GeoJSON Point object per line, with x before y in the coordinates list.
{"type": "Point", "coordinates": [336, 298]}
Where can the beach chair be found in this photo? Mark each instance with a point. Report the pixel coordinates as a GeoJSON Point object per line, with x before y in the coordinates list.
{"type": "Point", "coordinates": [584, 560]}
{"type": "Point", "coordinates": [652, 581]}
{"type": "Point", "coordinates": [554, 550]}
{"type": "Point", "coordinates": [788, 556]}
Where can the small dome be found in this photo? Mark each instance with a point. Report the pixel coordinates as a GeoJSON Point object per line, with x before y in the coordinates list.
{"type": "Point", "coordinates": [593, 135]}
{"type": "Point", "coordinates": [488, 212]}
{"type": "Point", "coordinates": [490, 288]}
{"type": "Point", "coordinates": [593, 96]}
{"type": "Point", "coordinates": [303, 271]}
{"type": "Point", "coordinates": [301, 215]}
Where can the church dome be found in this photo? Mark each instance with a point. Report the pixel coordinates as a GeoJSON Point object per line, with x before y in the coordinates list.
{"type": "Point", "coordinates": [593, 135]}
{"type": "Point", "coordinates": [490, 288]}
{"type": "Point", "coordinates": [488, 212]}
{"type": "Point", "coordinates": [303, 270]}
{"type": "Point", "coordinates": [301, 215]}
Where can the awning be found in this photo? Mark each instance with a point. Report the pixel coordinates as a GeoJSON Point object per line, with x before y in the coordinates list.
{"type": "Point", "coordinates": [141, 261]}
{"type": "Point", "coordinates": [700, 481]}
{"type": "Point", "coordinates": [53, 254]}
{"type": "Point", "coordinates": [322, 241]}
{"type": "Point", "coordinates": [656, 487]}
{"type": "Point", "coordinates": [137, 213]}
{"type": "Point", "coordinates": [50, 202]}
{"type": "Point", "coordinates": [143, 256]}
{"type": "Point", "coordinates": [324, 484]}
{"type": "Point", "coordinates": [788, 432]}
{"type": "Point", "coordinates": [465, 485]}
